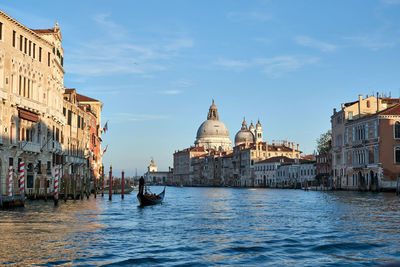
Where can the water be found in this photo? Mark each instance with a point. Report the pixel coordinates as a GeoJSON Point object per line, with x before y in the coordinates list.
{"type": "Point", "coordinates": [207, 226]}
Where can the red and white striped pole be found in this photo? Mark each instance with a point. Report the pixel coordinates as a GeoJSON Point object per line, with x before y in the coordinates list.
{"type": "Point", "coordinates": [56, 175]}
{"type": "Point", "coordinates": [22, 178]}
{"type": "Point", "coordinates": [10, 181]}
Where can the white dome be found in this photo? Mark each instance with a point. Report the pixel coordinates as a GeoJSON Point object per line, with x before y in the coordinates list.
{"type": "Point", "coordinates": [212, 133]}
{"type": "Point", "coordinates": [212, 128]}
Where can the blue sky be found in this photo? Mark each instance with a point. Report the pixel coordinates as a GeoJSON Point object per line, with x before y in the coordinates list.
{"type": "Point", "coordinates": [156, 65]}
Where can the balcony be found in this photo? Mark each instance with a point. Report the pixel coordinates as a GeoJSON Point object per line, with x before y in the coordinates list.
{"type": "Point", "coordinates": [29, 146]}
{"type": "Point", "coordinates": [57, 147]}
{"type": "Point", "coordinates": [75, 160]}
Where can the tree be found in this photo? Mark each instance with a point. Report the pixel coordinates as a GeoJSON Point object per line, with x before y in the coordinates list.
{"type": "Point", "coordinates": [324, 142]}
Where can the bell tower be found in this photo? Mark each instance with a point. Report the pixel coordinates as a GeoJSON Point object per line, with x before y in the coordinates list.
{"type": "Point", "coordinates": [213, 112]}
{"type": "Point", "coordinates": [259, 132]}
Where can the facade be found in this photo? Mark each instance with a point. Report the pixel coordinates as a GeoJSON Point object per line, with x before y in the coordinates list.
{"type": "Point", "coordinates": [372, 150]}
{"type": "Point", "coordinates": [155, 177]}
{"type": "Point", "coordinates": [34, 122]}
{"type": "Point", "coordinates": [323, 167]}
{"type": "Point", "coordinates": [351, 111]}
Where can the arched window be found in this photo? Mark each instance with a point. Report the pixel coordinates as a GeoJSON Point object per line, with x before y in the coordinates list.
{"type": "Point", "coordinates": [397, 130]}
{"type": "Point", "coordinates": [397, 155]}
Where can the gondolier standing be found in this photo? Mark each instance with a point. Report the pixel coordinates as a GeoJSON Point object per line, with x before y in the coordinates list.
{"type": "Point", "coordinates": [141, 185]}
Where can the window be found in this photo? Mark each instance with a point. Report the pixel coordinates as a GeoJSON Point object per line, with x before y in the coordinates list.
{"type": "Point", "coordinates": [21, 40]}
{"type": "Point", "coordinates": [397, 130]}
{"type": "Point", "coordinates": [30, 47]}
{"type": "Point", "coordinates": [26, 46]}
{"type": "Point", "coordinates": [79, 121]}
{"type": "Point", "coordinates": [69, 117]}
{"type": "Point", "coordinates": [350, 115]}
{"type": "Point", "coordinates": [20, 85]}
{"type": "Point", "coordinates": [1, 31]}
{"type": "Point", "coordinates": [13, 38]}
{"type": "Point", "coordinates": [40, 54]}
{"type": "Point", "coordinates": [64, 112]}
{"type": "Point", "coordinates": [397, 155]}
{"type": "Point", "coordinates": [48, 59]}
{"type": "Point", "coordinates": [376, 129]}
{"type": "Point", "coordinates": [34, 50]}
{"type": "Point", "coordinates": [368, 104]}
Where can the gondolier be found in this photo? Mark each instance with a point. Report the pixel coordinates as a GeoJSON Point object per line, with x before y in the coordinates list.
{"type": "Point", "coordinates": [146, 199]}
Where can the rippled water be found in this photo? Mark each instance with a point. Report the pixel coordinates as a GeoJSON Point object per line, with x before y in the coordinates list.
{"type": "Point", "coordinates": [207, 226]}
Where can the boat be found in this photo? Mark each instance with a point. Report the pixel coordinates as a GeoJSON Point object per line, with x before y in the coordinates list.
{"type": "Point", "coordinates": [150, 199]}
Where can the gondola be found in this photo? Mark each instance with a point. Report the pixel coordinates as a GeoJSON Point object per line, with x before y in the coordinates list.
{"type": "Point", "coordinates": [144, 200]}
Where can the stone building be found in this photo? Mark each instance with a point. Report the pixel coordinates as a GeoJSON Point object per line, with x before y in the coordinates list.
{"type": "Point", "coordinates": [156, 177]}
{"type": "Point", "coordinates": [212, 162]}
{"type": "Point", "coordinates": [351, 111]}
{"type": "Point", "coordinates": [372, 151]}
{"type": "Point", "coordinates": [34, 128]}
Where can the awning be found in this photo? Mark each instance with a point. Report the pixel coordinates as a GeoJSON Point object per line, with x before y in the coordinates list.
{"type": "Point", "coordinates": [28, 115]}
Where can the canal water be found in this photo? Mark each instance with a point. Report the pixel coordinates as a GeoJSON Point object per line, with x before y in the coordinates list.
{"type": "Point", "coordinates": [207, 226]}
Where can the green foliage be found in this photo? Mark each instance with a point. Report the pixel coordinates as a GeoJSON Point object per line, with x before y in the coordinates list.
{"type": "Point", "coordinates": [324, 142]}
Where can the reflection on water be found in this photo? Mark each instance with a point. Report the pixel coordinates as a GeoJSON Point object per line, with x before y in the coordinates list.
{"type": "Point", "coordinates": [210, 226]}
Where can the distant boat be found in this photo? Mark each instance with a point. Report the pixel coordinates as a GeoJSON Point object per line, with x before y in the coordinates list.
{"type": "Point", "coordinates": [127, 189]}
{"type": "Point", "coordinates": [151, 199]}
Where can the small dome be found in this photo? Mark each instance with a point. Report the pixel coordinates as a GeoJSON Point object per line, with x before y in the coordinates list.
{"type": "Point", "coordinates": [258, 126]}
{"type": "Point", "coordinates": [244, 136]}
{"type": "Point", "coordinates": [251, 128]}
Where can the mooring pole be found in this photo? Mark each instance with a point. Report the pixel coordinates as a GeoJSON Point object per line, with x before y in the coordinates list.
{"type": "Point", "coordinates": [122, 185]}
{"type": "Point", "coordinates": [110, 184]}
{"type": "Point", "coordinates": [56, 186]}
{"type": "Point", "coordinates": [102, 181]}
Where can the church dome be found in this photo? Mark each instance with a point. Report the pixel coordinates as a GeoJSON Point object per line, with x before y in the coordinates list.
{"type": "Point", "coordinates": [212, 133]}
{"type": "Point", "coordinates": [244, 136]}
{"type": "Point", "coordinates": [212, 128]}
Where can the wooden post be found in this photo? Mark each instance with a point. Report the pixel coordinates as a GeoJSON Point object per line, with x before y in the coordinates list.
{"type": "Point", "coordinates": [87, 187]}
{"type": "Point", "coordinates": [82, 187]}
{"type": "Point", "coordinates": [94, 186]}
{"type": "Point", "coordinates": [110, 184]}
{"type": "Point", "coordinates": [102, 181]}
{"type": "Point", "coordinates": [65, 187]}
{"type": "Point", "coordinates": [45, 188]}
{"type": "Point", "coordinates": [74, 186]}
{"type": "Point", "coordinates": [56, 187]}
{"type": "Point", "coordinates": [122, 185]}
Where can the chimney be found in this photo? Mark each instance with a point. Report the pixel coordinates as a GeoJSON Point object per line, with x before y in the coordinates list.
{"type": "Point", "coordinates": [293, 146]}
{"type": "Point", "coordinates": [297, 147]}
{"type": "Point", "coordinates": [342, 105]}
{"type": "Point", "coordinates": [334, 111]}
{"type": "Point", "coordinates": [377, 102]}
{"type": "Point", "coordinates": [360, 97]}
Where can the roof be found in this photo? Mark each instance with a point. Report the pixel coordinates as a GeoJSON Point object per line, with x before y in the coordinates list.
{"type": "Point", "coordinates": [69, 91]}
{"type": "Point", "coordinates": [308, 157]}
{"type": "Point", "coordinates": [81, 98]}
{"type": "Point", "coordinates": [395, 110]}
{"type": "Point", "coordinates": [46, 31]}
{"type": "Point", "coordinates": [277, 159]}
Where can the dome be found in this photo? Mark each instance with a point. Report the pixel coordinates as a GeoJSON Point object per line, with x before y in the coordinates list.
{"type": "Point", "coordinates": [251, 128]}
{"type": "Point", "coordinates": [212, 133]}
{"type": "Point", "coordinates": [212, 128]}
{"type": "Point", "coordinates": [244, 136]}
{"type": "Point", "coordinates": [258, 126]}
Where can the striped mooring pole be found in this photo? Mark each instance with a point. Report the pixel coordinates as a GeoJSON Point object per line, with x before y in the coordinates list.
{"type": "Point", "coordinates": [110, 184]}
{"type": "Point", "coordinates": [22, 179]}
{"type": "Point", "coordinates": [10, 181]}
{"type": "Point", "coordinates": [56, 175]}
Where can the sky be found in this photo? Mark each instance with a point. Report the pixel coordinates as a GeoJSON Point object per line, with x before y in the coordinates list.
{"type": "Point", "coordinates": [157, 65]}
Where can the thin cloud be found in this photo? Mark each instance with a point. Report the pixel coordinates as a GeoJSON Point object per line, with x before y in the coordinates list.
{"type": "Point", "coordinates": [391, 2]}
{"type": "Point", "coordinates": [273, 67]}
{"type": "Point", "coordinates": [236, 65]}
{"type": "Point", "coordinates": [123, 117]}
{"type": "Point", "coordinates": [310, 42]}
{"type": "Point", "coordinates": [182, 83]}
{"type": "Point", "coordinates": [171, 92]}
{"type": "Point", "coordinates": [118, 54]}
{"type": "Point", "coordinates": [371, 42]}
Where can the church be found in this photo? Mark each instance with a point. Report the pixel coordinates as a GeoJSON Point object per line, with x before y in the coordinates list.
{"type": "Point", "coordinates": [213, 161]}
